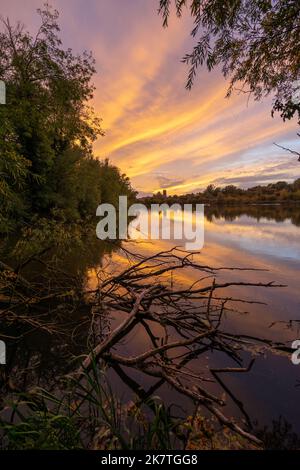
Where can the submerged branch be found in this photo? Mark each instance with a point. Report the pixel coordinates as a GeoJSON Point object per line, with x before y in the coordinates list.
{"type": "Point", "coordinates": [178, 323]}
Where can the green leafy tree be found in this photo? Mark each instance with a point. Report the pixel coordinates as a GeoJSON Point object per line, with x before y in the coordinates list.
{"type": "Point", "coordinates": [14, 170]}
{"type": "Point", "coordinates": [47, 127]}
{"type": "Point", "coordinates": [116, 184]}
{"type": "Point", "coordinates": [47, 93]}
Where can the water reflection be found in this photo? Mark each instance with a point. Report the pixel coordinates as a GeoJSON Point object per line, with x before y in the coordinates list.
{"type": "Point", "coordinates": [265, 238]}
{"type": "Point", "coordinates": [39, 356]}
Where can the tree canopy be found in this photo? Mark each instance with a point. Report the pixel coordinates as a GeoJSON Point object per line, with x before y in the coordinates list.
{"type": "Point", "coordinates": [255, 42]}
{"type": "Point", "coordinates": [47, 127]}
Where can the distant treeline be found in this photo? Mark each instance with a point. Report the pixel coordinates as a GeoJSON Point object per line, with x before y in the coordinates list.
{"type": "Point", "coordinates": [273, 192]}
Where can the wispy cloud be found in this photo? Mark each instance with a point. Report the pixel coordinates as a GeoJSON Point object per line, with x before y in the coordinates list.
{"type": "Point", "coordinates": [165, 182]}
{"type": "Point", "coordinates": [153, 125]}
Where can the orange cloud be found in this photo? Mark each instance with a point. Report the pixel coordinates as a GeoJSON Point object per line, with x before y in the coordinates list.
{"type": "Point", "coordinates": [154, 127]}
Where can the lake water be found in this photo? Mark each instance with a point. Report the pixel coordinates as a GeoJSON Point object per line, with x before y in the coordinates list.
{"type": "Point", "coordinates": [266, 238]}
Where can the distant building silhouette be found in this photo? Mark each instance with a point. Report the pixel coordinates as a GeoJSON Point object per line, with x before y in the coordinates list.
{"type": "Point", "coordinates": [160, 195]}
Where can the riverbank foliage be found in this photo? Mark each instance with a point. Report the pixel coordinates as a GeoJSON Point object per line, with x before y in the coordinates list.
{"type": "Point", "coordinates": [47, 129]}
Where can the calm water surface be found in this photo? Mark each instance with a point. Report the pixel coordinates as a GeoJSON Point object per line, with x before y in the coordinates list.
{"type": "Point", "coordinates": [265, 238]}
{"type": "Point", "coordinates": [257, 237]}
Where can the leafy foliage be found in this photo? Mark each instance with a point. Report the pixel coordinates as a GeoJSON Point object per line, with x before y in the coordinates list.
{"type": "Point", "coordinates": [42, 431]}
{"type": "Point", "coordinates": [47, 127]}
{"type": "Point", "coordinates": [89, 416]}
{"type": "Point", "coordinates": [14, 170]}
{"type": "Point", "coordinates": [256, 42]}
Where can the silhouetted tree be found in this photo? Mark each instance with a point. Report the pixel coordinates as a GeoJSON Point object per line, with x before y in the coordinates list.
{"type": "Point", "coordinates": [256, 42]}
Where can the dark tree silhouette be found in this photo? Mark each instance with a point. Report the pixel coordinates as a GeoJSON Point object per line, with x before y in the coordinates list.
{"type": "Point", "coordinates": [256, 43]}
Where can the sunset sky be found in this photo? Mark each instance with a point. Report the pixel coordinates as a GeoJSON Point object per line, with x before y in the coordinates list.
{"type": "Point", "coordinates": [161, 135]}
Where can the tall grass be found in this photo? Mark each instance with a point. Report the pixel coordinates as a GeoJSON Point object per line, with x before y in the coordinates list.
{"type": "Point", "coordinates": [85, 413]}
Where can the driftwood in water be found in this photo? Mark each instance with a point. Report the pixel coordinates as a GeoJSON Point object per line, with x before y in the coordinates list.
{"type": "Point", "coordinates": [190, 320]}
{"type": "Point", "coordinates": [180, 323]}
